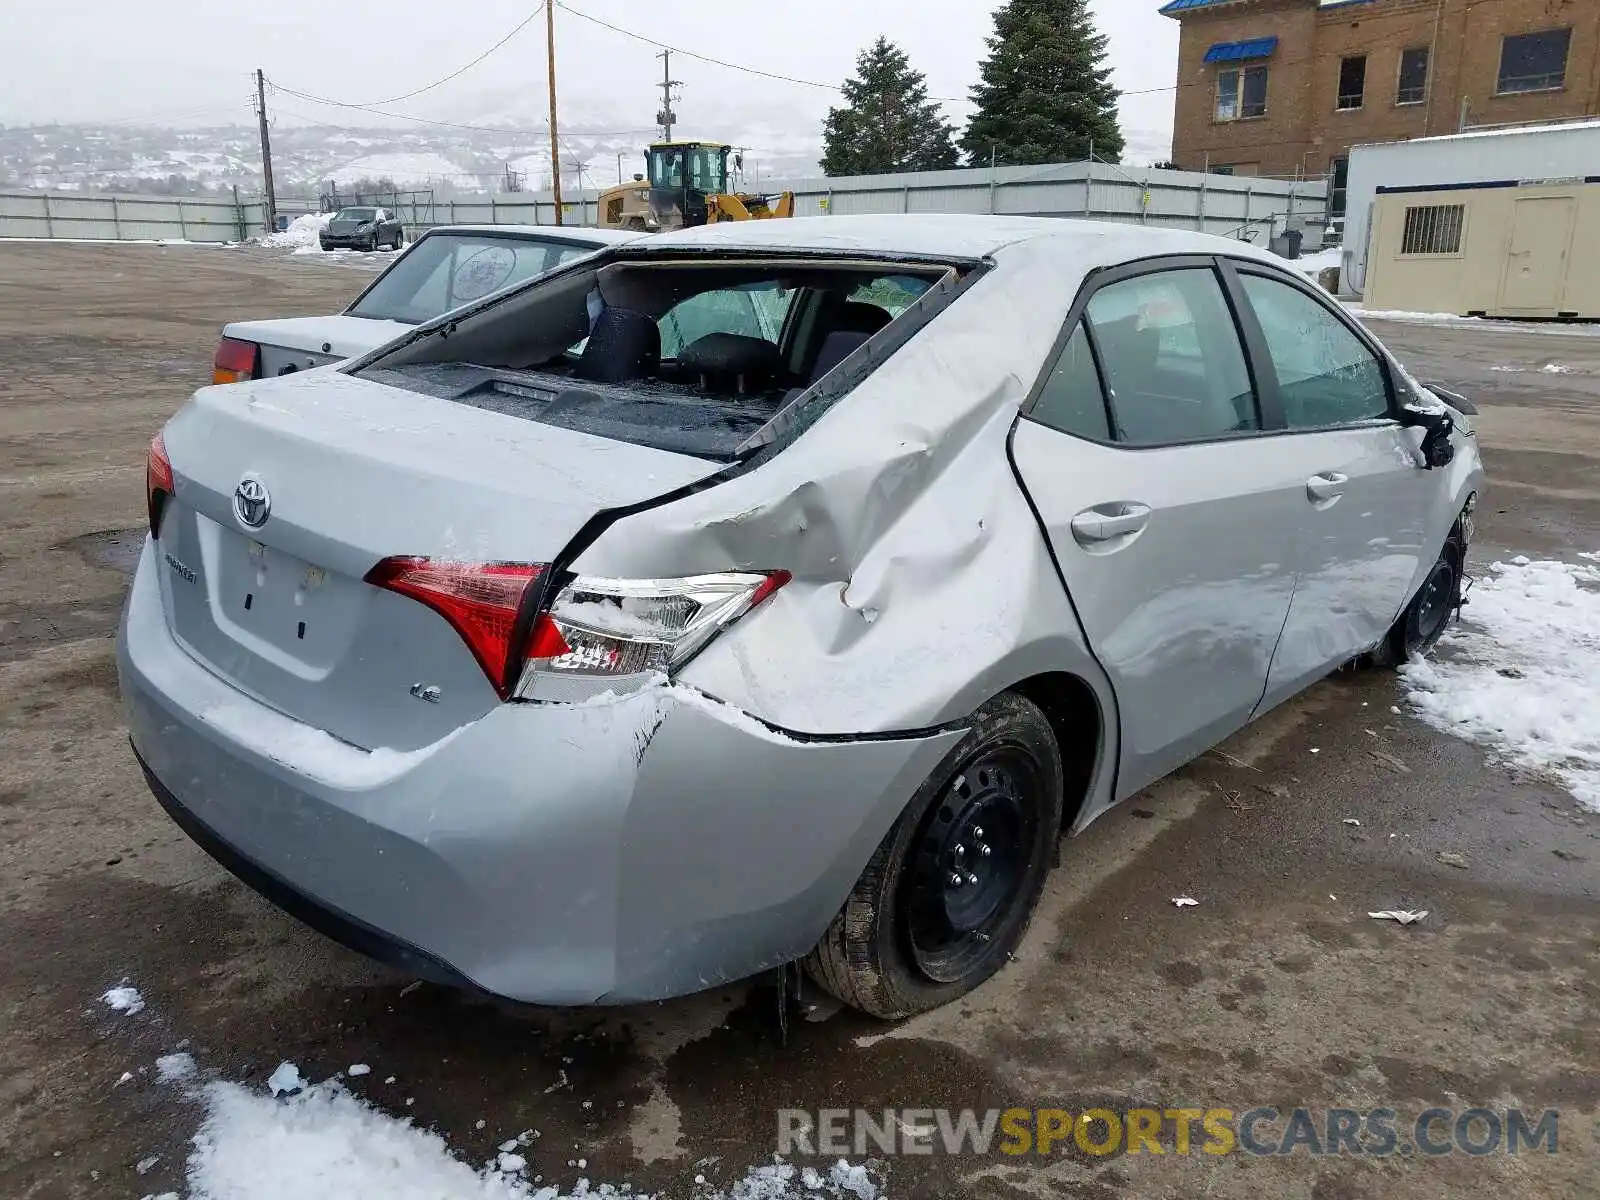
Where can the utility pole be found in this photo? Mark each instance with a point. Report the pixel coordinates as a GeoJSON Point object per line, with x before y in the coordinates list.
{"type": "Point", "coordinates": [270, 208]}
{"type": "Point", "coordinates": [666, 118]}
{"type": "Point", "coordinates": [555, 143]}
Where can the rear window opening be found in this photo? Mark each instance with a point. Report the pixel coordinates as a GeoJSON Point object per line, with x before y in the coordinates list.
{"type": "Point", "coordinates": [696, 357]}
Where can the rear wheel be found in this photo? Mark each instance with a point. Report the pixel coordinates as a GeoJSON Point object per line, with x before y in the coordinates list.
{"type": "Point", "coordinates": [1425, 619]}
{"type": "Point", "coordinates": [949, 892]}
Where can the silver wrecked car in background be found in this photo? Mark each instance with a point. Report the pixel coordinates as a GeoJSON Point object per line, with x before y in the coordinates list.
{"type": "Point", "coordinates": [444, 268]}
{"type": "Point", "coordinates": [770, 591]}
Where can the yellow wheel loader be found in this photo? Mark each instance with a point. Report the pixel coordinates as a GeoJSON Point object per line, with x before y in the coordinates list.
{"type": "Point", "coordinates": [687, 185]}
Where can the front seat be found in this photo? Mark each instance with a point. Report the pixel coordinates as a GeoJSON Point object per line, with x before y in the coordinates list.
{"type": "Point", "coordinates": [624, 345]}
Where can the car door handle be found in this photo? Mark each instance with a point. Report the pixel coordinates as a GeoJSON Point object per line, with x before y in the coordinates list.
{"type": "Point", "coordinates": [1329, 485]}
{"type": "Point", "coordinates": [1108, 522]}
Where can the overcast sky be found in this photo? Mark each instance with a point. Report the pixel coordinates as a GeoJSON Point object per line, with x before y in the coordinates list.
{"type": "Point", "coordinates": [188, 61]}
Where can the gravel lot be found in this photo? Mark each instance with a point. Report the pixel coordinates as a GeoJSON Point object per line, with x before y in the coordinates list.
{"type": "Point", "coordinates": [1276, 989]}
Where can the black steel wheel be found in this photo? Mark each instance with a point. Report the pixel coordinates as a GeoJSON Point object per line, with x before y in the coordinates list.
{"type": "Point", "coordinates": [1425, 619]}
{"type": "Point", "coordinates": [969, 863]}
{"type": "Point", "coordinates": [949, 893]}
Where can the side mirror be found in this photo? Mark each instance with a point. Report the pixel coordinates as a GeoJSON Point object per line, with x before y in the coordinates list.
{"type": "Point", "coordinates": [1437, 449]}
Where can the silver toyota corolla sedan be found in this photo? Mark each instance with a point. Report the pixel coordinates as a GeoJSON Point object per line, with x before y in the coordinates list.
{"type": "Point", "coordinates": [769, 592]}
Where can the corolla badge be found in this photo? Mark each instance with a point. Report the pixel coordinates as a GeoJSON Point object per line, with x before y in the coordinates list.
{"type": "Point", "coordinates": [252, 503]}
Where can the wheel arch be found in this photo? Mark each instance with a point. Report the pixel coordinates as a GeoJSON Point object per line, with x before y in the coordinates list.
{"type": "Point", "coordinates": [1083, 719]}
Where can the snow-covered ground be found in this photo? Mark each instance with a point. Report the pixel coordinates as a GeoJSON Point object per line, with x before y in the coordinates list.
{"type": "Point", "coordinates": [1521, 672]}
{"type": "Point", "coordinates": [406, 167]}
{"type": "Point", "coordinates": [322, 1141]}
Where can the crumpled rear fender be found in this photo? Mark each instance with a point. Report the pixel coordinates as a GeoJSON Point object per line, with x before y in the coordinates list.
{"type": "Point", "coordinates": [922, 582]}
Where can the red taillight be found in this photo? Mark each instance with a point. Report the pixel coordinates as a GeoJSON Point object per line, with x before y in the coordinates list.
{"type": "Point", "coordinates": [236, 361]}
{"type": "Point", "coordinates": [480, 600]}
{"type": "Point", "coordinates": [157, 482]}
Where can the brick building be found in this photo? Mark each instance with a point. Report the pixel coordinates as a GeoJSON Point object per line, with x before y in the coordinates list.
{"type": "Point", "coordinates": [1286, 87]}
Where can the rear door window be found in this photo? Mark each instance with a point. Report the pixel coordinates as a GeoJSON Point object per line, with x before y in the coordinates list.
{"type": "Point", "coordinates": [1173, 364]}
{"type": "Point", "coordinates": [1326, 374]}
{"type": "Point", "coordinates": [892, 293]}
{"type": "Point", "coordinates": [1072, 399]}
{"type": "Point", "coordinates": [756, 311]}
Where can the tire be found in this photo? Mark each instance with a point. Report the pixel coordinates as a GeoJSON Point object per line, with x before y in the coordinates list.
{"type": "Point", "coordinates": [372, 246]}
{"type": "Point", "coordinates": [399, 238]}
{"type": "Point", "coordinates": [906, 940]}
{"type": "Point", "coordinates": [1424, 620]}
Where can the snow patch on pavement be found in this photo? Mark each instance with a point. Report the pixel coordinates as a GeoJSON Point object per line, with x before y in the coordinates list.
{"type": "Point", "coordinates": [175, 1068]}
{"type": "Point", "coordinates": [319, 1141]}
{"type": "Point", "coordinates": [1520, 673]}
{"type": "Point", "coordinates": [1417, 318]}
{"type": "Point", "coordinates": [125, 1000]}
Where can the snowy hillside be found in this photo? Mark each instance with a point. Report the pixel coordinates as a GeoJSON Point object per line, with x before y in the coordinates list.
{"type": "Point", "coordinates": [308, 158]}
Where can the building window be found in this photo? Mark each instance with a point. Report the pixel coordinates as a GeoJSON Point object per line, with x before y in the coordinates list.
{"type": "Point", "coordinates": [1352, 82]}
{"type": "Point", "coordinates": [1534, 62]}
{"type": "Point", "coordinates": [1241, 93]}
{"type": "Point", "coordinates": [1433, 229]}
{"type": "Point", "coordinates": [1338, 185]}
{"type": "Point", "coordinates": [1413, 77]}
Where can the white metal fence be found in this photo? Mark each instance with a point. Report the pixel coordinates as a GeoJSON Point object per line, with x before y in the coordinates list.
{"type": "Point", "coordinates": [101, 217]}
{"type": "Point", "coordinates": [1233, 206]}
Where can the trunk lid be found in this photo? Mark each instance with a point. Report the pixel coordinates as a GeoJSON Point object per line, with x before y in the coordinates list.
{"type": "Point", "coordinates": [354, 472]}
{"type": "Point", "coordinates": [300, 343]}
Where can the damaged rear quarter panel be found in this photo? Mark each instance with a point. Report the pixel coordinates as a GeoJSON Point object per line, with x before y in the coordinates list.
{"type": "Point", "coordinates": [922, 583]}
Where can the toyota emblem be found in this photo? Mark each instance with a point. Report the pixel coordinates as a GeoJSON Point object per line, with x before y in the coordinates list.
{"type": "Point", "coordinates": [252, 503]}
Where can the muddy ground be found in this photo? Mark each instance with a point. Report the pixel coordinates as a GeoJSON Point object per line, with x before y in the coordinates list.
{"type": "Point", "coordinates": [1275, 990]}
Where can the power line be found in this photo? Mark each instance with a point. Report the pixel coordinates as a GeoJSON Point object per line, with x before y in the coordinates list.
{"type": "Point", "coordinates": [367, 108]}
{"type": "Point", "coordinates": [459, 71]}
{"type": "Point", "coordinates": [717, 62]}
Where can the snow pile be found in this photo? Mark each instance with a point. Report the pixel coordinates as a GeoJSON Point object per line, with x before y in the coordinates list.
{"type": "Point", "coordinates": [1521, 673]}
{"type": "Point", "coordinates": [324, 1143]}
{"type": "Point", "coordinates": [1313, 265]}
{"type": "Point", "coordinates": [125, 1000]}
{"type": "Point", "coordinates": [302, 233]}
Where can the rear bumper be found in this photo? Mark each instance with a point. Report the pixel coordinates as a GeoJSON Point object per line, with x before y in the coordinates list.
{"type": "Point", "coordinates": [557, 854]}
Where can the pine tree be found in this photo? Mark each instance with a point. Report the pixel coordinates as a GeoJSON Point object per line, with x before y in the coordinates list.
{"type": "Point", "coordinates": [887, 124]}
{"type": "Point", "coordinates": [1044, 94]}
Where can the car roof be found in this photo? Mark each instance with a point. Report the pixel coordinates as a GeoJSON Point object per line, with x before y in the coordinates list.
{"type": "Point", "coordinates": [951, 235]}
{"type": "Point", "coordinates": [578, 234]}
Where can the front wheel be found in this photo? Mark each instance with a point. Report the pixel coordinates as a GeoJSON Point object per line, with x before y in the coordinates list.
{"type": "Point", "coordinates": [949, 892]}
{"type": "Point", "coordinates": [1425, 619]}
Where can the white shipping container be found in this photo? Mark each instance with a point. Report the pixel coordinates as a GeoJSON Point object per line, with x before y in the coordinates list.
{"type": "Point", "coordinates": [1521, 155]}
